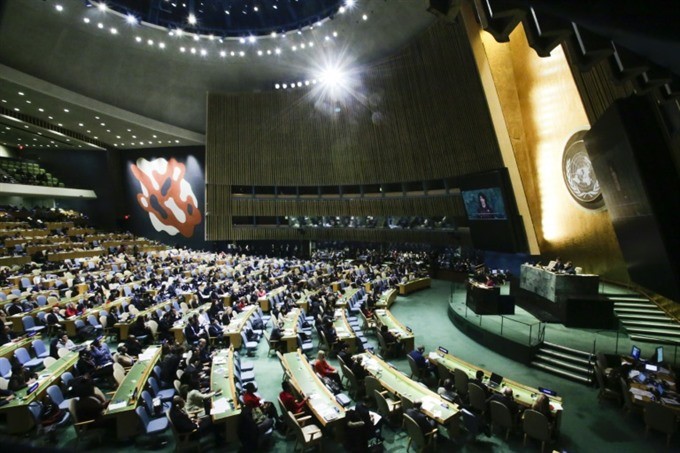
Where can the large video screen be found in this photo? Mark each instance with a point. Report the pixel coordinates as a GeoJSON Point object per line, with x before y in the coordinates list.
{"type": "Point", "coordinates": [484, 204]}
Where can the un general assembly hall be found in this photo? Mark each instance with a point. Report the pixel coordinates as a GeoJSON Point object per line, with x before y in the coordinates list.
{"type": "Point", "coordinates": [339, 225]}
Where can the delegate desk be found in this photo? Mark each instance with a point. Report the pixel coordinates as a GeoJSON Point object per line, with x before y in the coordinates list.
{"type": "Point", "coordinates": [648, 387]}
{"type": "Point", "coordinates": [124, 327]}
{"type": "Point", "coordinates": [225, 404]}
{"type": "Point", "coordinates": [289, 330]}
{"type": "Point", "coordinates": [265, 302]}
{"type": "Point", "coordinates": [178, 327]}
{"type": "Point", "coordinates": [343, 330]}
{"type": "Point", "coordinates": [124, 401]}
{"type": "Point", "coordinates": [7, 349]}
{"type": "Point", "coordinates": [72, 255]}
{"type": "Point", "coordinates": [525, 396]}
{"type": "Point", "coordinates": [19, 419]}
{"type": "Point", "coordinates": [387, 298]}
{"type": "Point", "coordinates": [404, 334]}
{"type": "Point", "coordinates": [322, 402]}
{"type": "Point", "coordinates": [414, 285]}
{"type": "Point", "coordinates": [343, 301]}
{"type": "Point", "coordinates": [487, 300]}
{"type": "Point", "coordinates": [237, 324]}
{"type": "Point", "coordinates": [394, 381]}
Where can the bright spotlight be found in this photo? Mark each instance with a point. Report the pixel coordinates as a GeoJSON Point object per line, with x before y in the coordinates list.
{"type": "Point", "coordinates": [332, 77]}
{"type": "Point", "coordinates": [191, 19]}
{"type": "Point", "coordinates": [131, 19]}
{"type": "Point", "coordinates": [102, 6]}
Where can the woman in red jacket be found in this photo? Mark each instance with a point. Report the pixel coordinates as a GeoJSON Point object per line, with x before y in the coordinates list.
{"type": "Point", "coordinates": [324, 369]}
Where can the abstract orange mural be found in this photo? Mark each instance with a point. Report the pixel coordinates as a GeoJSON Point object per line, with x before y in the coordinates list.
{"type": "Point", "coordinates": [167, 196]}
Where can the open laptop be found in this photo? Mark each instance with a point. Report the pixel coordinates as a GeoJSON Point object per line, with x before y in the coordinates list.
{"type": "Point", "coordinates": [495, 380]}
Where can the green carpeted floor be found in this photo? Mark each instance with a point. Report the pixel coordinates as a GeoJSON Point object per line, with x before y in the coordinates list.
{"type": "Point", "coordinates": [587, 425]}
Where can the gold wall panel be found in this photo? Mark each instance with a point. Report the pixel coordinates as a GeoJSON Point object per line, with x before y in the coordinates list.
{"type": "Point", "coordinates": [542, 107]}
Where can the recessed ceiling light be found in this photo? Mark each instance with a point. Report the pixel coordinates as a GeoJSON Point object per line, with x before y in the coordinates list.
{"type": "Point", "coordinates": [50, 117]}
{"type": "Point", "coordinates": [161, 45]}
{"type": "Point", "coordinates": [16, 109]}
{"type": "Point", "coordinates": [21, 93]}
{"type": "Point", "coordinates": [86, 20]}
{"type": "Point", "coordinates": [114, 31]}
{"type": "Point", "coordinates": [182, 49]}
{"type": "Point", "coordinates": [191, 19]}
{"type": "Point", "coordinates": [204, 52]}
{"type": "Point", "coordinates": [364, 17]}
{"type": "Point", "coordinates": [66, 110]}
{"type": "Point", "coordinates": [58, 7]}
{"type": "Point", "coordinates": [131, 19]}
{"type": "Point", "coordinates": [138, 38]}
{"type": "Point", "coordinates": [102, 124]}
{"type": "Point", "coordinates": [241, 54]}
{"type": "Point", "coordinates": [223, 53]}
{"type": "Point", "coordinates": [41, 109]}
{"type": "Point", "coordinates": [100, 25]}
{"type": "Point", "coordinates": [27, 101]}
{"type": "Point", "coordinates": [81, 124]}
{"type": "Point", "coordinates": [102, 6]}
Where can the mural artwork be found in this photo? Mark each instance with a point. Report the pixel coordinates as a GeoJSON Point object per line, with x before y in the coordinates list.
{"type": "Point", "coordinates": [167, 196]}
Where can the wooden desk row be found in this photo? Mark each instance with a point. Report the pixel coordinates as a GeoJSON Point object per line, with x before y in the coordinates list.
{"type": "Point", "coordinates": [394, 381]}
{"type": "Point", "coordinates": [386, 318]}
{"type": "Point", "coordinates": [128, 395]}
{"type": "Point", "coordinates": [386, 299]}
{"type": "Point", "coordinates": [414, 285]}
{"type": "Point", "coordinates": [19, 418]}
{"type": "Point", "coordinates": [322, 402]}
{"type": "Point", "coordinates": [524, 395]}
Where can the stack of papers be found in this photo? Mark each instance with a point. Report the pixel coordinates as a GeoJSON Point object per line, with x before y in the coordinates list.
{"type": "Point", "coordinates": [115, 406]}
{"type": "Point", "coordinates": [220, 406]}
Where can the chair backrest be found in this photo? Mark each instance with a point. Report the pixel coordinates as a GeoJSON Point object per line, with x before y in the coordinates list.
{"type": "Point", "coordinates": [42, 300]}
{"type": "Point", "coordinates": [477, 397]}
{"type": "Point", "coordinates": [79, 323]}
{"type": "Point", "coordinates": [61, 352]}
{"type": "Point", "coordinates": [460, 380]}
{"type": "Point", "coordinates": [5, 367]}
{"type": "Point", "coordinates": [39, 347]}
{"type": "Point", "coordinates": [598, 376]}
{"type": "Point", "coordinates": [383, 408]}
{"type": "Point", "coordinates": [22, 355]}
{"type": "Point", "coordinates": [154, 385]}
{"type": "Point", "coordinates": [92, 320]}
{"type": "Point", "coordinates": [442, 371]}
{"type": "Point", "coordinates": [28, 322]}
{"type": "Point", "coordinates": [66, 377]}
{"type": "Point", "coordinates": [118, 375]}
{"type": "Point", "coordinates": [627, 400]}
{"type": "Point", "coordinates": [536, 425]}
{"type": "Point", "coordinates": [104, 321]}
{"type": "Point", "coordinates": [143, 416]}
{"type": "Point", "coordinates": [48, 361]}
{"type": "Point", "coordinates": [413, 366]}
{"type": "Point", "coordinates": [500, 414]}
{"type": "Point", "coordinates": [153, 327]}
{"type": "Point", "coordinates": [660, 418]}
{"type": "Point", "coordinates": [55, 394]}
{"type": "Point", "coordinates": [148, 401]}
{"type": "Point", "coordinates": [413, 430]}
{"type": "Point", "coordinates": [371, 384]}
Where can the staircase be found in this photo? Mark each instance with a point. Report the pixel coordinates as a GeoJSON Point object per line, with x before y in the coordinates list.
{"type": "Point", "coordinates": [565, 362]}
{"type": "Point", "coordinates": [642, 318]}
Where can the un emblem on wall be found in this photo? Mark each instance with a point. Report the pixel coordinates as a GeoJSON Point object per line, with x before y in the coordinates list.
{"type": "Point", "coordinates": [579, 175]}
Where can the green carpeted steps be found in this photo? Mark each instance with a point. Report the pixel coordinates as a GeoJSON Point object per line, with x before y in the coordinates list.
{"type": "Point", "coordinates": [644, 321]}
{"type": "Point", "coordinates": [566, 362]}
